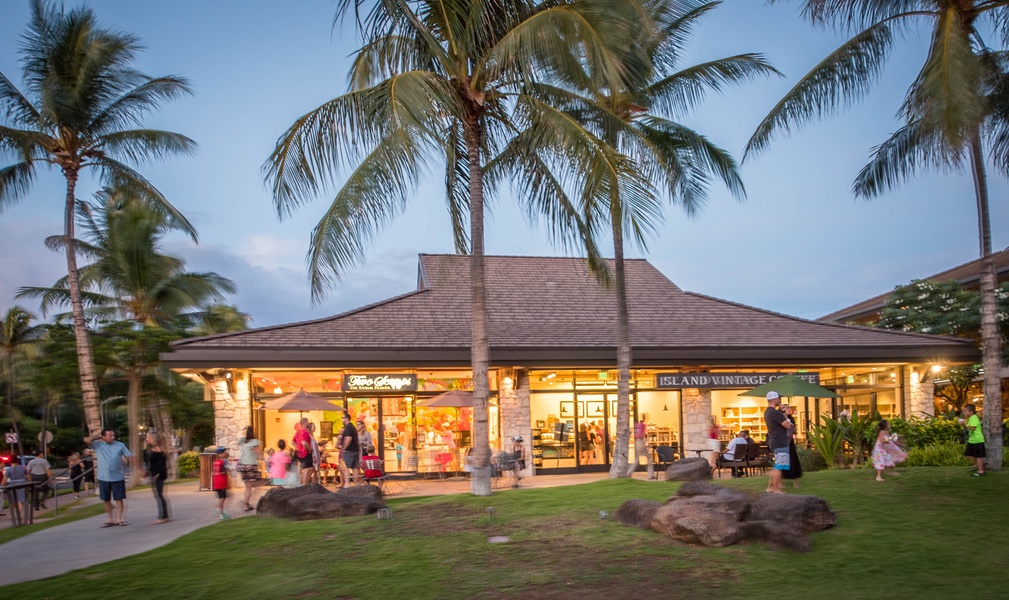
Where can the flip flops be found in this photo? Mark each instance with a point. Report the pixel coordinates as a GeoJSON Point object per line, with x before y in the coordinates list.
{"type": "Point", "coordinates": [122, 523]}
{"type": "Point", "coordinates": [104, 525]}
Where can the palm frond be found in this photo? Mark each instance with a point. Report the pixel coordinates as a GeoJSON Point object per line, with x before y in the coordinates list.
{"type": "Point", "coordinates": [122, 176]}
{"type": "Point", "coordinates": [142, 145]}
{"type": "Point", "coordinates": [457, 180]}
{"type": "Point", "coordinates": [15, 182]}
{"type": "Point", "coordinates": [910, 149]}
{"type": "Point", "coordinates": [373, 195]}
{"type": "Point", "coordinates": [127, 110]}
{"type": "Point", "coordinates": [683, 91]}
{"type": "Point", "coordinates": [15, 105]}
{"type": "Point", "coordinates": [840, 78]}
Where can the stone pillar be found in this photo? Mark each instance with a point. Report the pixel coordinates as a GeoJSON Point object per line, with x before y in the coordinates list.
{"type": "Point", "coordinates": [232, 409]}
{"type": "Point", "coordinates": [919, 395]}
{"type": "Point", "coordinates": [516, 417]}
{"type": "Point", "coordinates": [696, 413]}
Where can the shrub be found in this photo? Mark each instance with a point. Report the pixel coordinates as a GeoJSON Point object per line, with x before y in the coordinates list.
{"type": "Point", "coordinates": [925, 432]}
{"type": "Point", "coordinates": [828, 439]}
{"type": "Point", "coordinates": [943, 454]}
{"type": "Point", "coordinates": [188, 464]}
{"type": "Point", "coordinates": [811, 460]}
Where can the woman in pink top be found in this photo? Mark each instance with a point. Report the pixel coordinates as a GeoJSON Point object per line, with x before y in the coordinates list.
{"type": "Point", "coordinates": [278, 464]}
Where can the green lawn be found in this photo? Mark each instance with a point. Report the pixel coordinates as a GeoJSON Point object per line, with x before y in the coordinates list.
{"type": "Point", "coordinates": [929, 533]}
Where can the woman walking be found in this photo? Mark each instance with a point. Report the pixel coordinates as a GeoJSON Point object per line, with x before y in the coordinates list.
{"type": "Point", "coordinates": [157, 471]}
{"type": "Point", "coordinates": [794, 471]}
{"type": "Point", "coordinates": [250, 453]}
{"type": "Point", "coordinates": [76, 472]}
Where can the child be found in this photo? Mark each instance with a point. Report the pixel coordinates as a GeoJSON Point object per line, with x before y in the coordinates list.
{"type": "Point", "coordinates": [372, 467]}
{"type": "Point", "coordinates": [220, 479]}
{"type": "Point", "coordinates": [886, 453]}
{"type": "Point", "coordinates": [975, 439]}
{"type": "Point", "coordinates": [278, 464]}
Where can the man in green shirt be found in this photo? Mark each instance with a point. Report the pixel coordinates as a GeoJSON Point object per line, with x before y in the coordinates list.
{"type": "Point", "coordinates": [975, 439]}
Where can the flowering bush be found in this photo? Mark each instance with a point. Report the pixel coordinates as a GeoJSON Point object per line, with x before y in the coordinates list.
{"type": "Point", "coordinates": [188, 464]}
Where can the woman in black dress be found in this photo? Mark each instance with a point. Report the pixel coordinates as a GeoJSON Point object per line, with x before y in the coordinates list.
{"type": "Point", "coordinates": [157, 470]}
{"type": "Point", "coordinates": [794, 471]}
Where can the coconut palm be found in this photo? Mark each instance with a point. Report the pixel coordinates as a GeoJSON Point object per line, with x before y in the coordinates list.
{"type": "Point", "coordinates": [636, 121]}
{"type": "Point", "coordinates": [131, 279]}
{"type": "Point", "coordinates": [17, 334]}
{"type": "Point", "coordinates": [947, 112]}
{"type": "Point", "coordinates": [81, 103]}
{"type": "Point", "coordinates": [434, 82]}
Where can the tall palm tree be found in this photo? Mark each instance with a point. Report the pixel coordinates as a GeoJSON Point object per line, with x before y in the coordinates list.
{"type": "Point", "coordinates": [669, 158]}
{"type": "Point", "coordinates": [946, 112]}
{"type": "Point", "coordinates": [82, 101]}
{"type": "Point", "coordinates": [17, 334]}
{"type": "Point", "coordinates": [131, 279]}
{"type": "Point", "coordinates": [434, 82]}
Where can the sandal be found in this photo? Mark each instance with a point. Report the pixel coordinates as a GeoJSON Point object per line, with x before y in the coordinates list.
{"type": "Point", "coordinates": [104, 525]}
{"type": "Point", "coordinates": [249, 507]}
{"type": "Point", "coordinates": [123, 523]}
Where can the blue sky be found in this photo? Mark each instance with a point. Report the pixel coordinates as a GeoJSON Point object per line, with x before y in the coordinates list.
{"type": "Point", "coordinates": [800, 244]}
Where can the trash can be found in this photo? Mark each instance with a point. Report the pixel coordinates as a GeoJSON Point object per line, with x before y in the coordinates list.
{"type": "Point", "coordinates": [206, 470]}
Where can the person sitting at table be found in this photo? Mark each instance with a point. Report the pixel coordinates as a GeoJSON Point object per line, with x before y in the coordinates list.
{"type": "Point", "coordinates": [372, 466]}
{"type": "Point", "coordinates": [730, 451]}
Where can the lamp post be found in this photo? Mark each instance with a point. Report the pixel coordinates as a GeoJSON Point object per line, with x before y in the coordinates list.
{"type": "Point", "coordinates": [106, 401]}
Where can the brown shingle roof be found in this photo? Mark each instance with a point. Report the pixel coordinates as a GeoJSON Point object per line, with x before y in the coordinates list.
{"type": "Point", "coordinates": [552, 311]}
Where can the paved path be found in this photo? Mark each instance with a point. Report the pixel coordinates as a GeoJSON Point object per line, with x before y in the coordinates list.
{"type": "Point", "coordinates": [84, 543]}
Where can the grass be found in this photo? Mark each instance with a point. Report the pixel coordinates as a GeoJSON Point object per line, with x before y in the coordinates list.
{"type": "Point", "coordinates": [929, 533]}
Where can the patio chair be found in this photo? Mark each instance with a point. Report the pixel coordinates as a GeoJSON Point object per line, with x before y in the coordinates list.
{"type": "Point", "coordinates": [665, 455]}
{"type": "Point", "coordinates": [737, 462]}
{"type": "Point", "coordinates": [758, 456]}
{"type": "Point", "coordinates": [401, 482]}
{"type": "Point", "coordinates": [374, 465]}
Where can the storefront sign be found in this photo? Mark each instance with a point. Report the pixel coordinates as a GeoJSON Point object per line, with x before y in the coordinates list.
{"type": "Point", "coordinates": [405, 382]}
{"type": "Point", "coordinates": [667, 381]}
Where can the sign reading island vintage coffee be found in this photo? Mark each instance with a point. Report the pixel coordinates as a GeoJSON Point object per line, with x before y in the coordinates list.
{"type": "Point", "coordinates": [712, 381]}
{"type": "Point", "coordinates": [399, 382]}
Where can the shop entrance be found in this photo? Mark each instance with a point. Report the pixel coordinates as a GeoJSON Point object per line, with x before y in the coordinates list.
{"type": "Point", "coordinates": [574, 432]}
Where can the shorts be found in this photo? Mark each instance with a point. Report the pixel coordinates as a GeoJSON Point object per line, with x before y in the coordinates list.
{"type": "Point", "coordinates": [976, 450]}
{"type": "Point", "coordinates": [351, 460]}
{"type": "Point", "coordinates": [306, 462]}
{"type": "Point", "coordinates": [222, 494]}
{"type": "Point", "coordinates": [781, 459]}
{"type": "Point", "coordinates": [111, 490]}
{"type": "Point", "coordinates": [249, 472]}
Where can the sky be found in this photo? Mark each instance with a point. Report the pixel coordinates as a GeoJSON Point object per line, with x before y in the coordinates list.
{"type": "Point", "coordinates": [799, 244]}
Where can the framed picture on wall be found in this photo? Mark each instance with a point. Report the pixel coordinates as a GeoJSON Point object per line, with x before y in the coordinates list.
{"type": "Point", "coordinates": [569, 408]}
{"type": "Point", "coordinates": [540, 424]}
{"type": "Point", "coordinates": [594, 408]}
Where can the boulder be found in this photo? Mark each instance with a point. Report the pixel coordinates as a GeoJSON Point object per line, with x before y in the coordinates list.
{"type": "Point", "coordinates": [637, 512]}
{"type": "Point", "coordinates": [313, 501]}
{"type": "Point", "coordinates": [689, 469]}
{"type": "Point", "coordinates": [711, 520]}
{"type": "Point", "coordinates": [703, 513]}
{"type": "Point", "coordinates": [809, 513]}
{"type": "Point", "coordinates": [775, 535]}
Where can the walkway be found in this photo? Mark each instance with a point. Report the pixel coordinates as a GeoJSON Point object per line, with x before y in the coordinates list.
{"type": "Point", "coordinates": [85, 543]}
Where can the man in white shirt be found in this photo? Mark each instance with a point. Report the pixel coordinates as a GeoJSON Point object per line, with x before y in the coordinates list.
{"type": "Point", "coordinates": [730, 450]}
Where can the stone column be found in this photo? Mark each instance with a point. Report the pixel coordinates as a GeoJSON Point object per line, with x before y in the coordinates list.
{"type": "Point", "coordinates": [919, 395]}
{"type": "Point", "coordinates": [232, 410]}
{"type": "Point", "coordinates": [696, 412]}
{"type": "Point", "coordinates": [516, 417]}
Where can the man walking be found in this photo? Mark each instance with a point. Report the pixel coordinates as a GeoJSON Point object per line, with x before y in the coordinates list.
{"type": "Point", "coordinates": [350, 453]}
{"type": "Point", "coordinates": [641, 448]}
{"type": "Point", "coordinates": [111, 480]}
{"type": "Point", "coordinates": [40, 473]}
{"type": "Point", "coordinates": [777, 441]}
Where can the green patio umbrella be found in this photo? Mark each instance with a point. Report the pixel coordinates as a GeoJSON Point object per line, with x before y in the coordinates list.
{"type": "Point", "coordinates": [789, 386]}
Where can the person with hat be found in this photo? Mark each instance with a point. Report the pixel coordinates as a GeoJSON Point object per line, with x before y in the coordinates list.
{"type": "Point", "coordinates": [777, 440]}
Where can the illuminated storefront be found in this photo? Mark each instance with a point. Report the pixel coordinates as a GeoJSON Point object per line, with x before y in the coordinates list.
{"type": "Point", "coordinates": [553, 376]}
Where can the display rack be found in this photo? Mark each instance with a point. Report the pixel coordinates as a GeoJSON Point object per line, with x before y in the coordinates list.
{"type": "Point", "coordinates": [744, 417]}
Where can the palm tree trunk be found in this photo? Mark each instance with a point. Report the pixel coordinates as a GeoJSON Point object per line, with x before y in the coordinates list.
{"type": "Point", "coordinates": [85, 357]}
{"type": "Point", "coordinates": [480, 484]}
{"type": "Point", "coordinates": [619, 467]}
{"type": "Point", "coordinates": [134, 379]}
{"type": "Point", "coordinates": [991, 340]}
{"type": "Point", "coordinates": [11, 411]}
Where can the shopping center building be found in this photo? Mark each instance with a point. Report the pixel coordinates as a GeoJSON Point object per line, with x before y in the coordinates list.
{"type": "Point", "coordinates": [553, 332]}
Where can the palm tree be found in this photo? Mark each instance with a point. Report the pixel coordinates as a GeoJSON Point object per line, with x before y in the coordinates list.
{"type": "Point", "coordinates": [82, 100]}
{"type": "Point", "coordinates": [669, 158]}
{"type": "Point", "coordinates": [131, 279]}
{"type": "Point", "coordinates": [18, 334]}
{"type": "Point", "coordinates": [434, 82]}
{"type": "Point", "coordinates": [947, 110]}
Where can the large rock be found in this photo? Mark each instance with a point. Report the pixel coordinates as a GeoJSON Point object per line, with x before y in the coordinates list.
{"type": "Point", "coordinates": [808, 513]}
{"type": "Point", "coordinates": [702, 513]}
{"type": "Point", "coordinates": [689, 469]}
{"type": "Point", "coordinates": [708, 519]}
{"type": "Point", "coordinates": [637, 512]}
{"type": "Point", "coordinates": [313, 501]}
